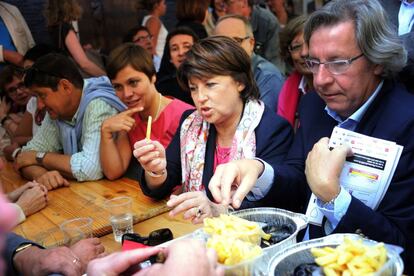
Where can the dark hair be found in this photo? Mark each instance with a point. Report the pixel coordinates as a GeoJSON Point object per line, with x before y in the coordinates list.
{"type": "Point", "coordinates": [130, 54]}
{"type": "Point", "coordinates": [166, 66]}
{"type": "Point", "coordinates": [57, 11]}
{"type": "Point", "coordinates": [38, 51]}
{"type": "Point", "coordinates": [288, 33]}
{"type": "Point", "coordinates": [6, 77]}
{"type": "Point", "coordinates": [219, 56]}
{"type": "Point", "coordinates": [193, 10]}
{"type": "Point", "coordinates": [148, 5]}
{"type": "Point", "coordinates": [129, 37]}
{"type": "Point", "coordinates": [374, 34]}
{"type": "Point", "coordinates": [48, 70]}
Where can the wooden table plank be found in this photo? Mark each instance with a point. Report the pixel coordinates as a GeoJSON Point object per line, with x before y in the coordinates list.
{"type": "Point", "coordinates": [84, 199]}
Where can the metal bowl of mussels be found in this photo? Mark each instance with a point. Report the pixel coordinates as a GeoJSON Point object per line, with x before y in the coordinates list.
{"type": "Point", "coordinates": [298, 260]}
{"type": "Point", "coordinates": [283, 225]}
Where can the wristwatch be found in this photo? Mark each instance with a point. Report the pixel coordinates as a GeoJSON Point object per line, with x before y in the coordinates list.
{"type": "Point", "coordinates": [40, 155]}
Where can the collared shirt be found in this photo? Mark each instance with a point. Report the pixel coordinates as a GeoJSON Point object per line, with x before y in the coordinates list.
{"type": "Point", "coordinates": [405, 17]}
{"type": "Point", "coordinates": [302, 85]}
{"type": "Point", "coordinates": [334, 212]}
{"type": "Point", "coordinates": [85, 165]}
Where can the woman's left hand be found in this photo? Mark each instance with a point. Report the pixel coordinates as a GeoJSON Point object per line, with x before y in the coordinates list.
{"type": "Point", "coordinates": [195, 205]}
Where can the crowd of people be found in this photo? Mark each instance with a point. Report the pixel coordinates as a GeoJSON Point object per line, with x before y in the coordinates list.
{"type": "Point", "coordinates": [243, 96]}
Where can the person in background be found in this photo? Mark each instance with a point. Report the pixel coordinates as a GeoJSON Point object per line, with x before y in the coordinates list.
{"type": "Point", "coordinates": [300, 81]}
{"type": "Point", "coordinates": [216, 9]}
{"type": "Point", "coordinates": [32, 117]}
{"type": "Point", "coordinates": [401, 15]}
{"type": "Point", "coordinates": [230, 123]}
{"type": "Point", "coordinates": [14, 98]}
{"type": "Point", "coordinates": [267, 76]}
{"type": "Point", "coordinates": [60, 16]}
{"type": "Point", "coordinates": [192, 14]}
{"type": "Point", "coordinates": [179, 42]}
{"type": "Point", "coordinates": [15, 36]}
{"type": "Point", "coordinates": [141, 36]}
{"type": "Point", "coordinates": [132, 74]}
{"type": "Point", "coordinates": [66, 146]}
{"type": "Point", "coordinates": [265, 27]}
{"type": "Point", "coordinates": [278, 9]}
{"type": "Point", "coordinates": [354, 53]}
{"type": "Point", "coordinates": [156, 9]}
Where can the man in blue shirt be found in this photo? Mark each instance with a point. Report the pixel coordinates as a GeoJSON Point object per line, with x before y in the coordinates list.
{"type": "Point", "coordinates": [67, 144]}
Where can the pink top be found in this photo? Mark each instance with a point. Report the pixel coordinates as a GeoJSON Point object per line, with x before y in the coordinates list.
{"type": "Point", "coordinates": [221, 156]}
{"type": "Point", "coordinates": [164, 127]}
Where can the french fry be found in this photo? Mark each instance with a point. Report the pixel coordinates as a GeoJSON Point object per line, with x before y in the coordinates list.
{"type": "Point", "coordinates": [149, 124]}
{"type": "Point", "coordinates": [351, 258]}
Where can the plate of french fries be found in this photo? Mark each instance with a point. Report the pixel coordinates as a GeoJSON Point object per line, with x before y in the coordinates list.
{"type": "Point", "coordinates": [339, 254]}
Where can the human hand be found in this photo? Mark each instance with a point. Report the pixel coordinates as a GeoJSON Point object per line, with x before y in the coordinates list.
{"type": "Point", "coordinates": [323, 168]}
{"type": "Point", "coordinates": [87, 250]}
{"type": "Point", "coordinates": [116, 263]}
{"type": "Point", "coordinates": [33, 199]}
{"type": "Point", "coordinates": [151, 155]}
{"type": "Point", "coordinates": [52, 180]}
{"type": "Point", "coordinates": [122, 121]}
{"type": "Point", "coordinates": [37, 261]}
{"type": "Point", "coordinates": [195, 205]}
{"type": "Point", "coordinates": [25, 159]}
{"type": "Point", "coordinates": [14, 195]}
{"type": "Point", "coordinates": [186, 257]}
{"type": "Point", "coordinates": [232, 181]}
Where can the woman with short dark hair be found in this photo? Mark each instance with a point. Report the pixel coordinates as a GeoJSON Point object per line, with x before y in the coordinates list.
{"type": "Point", "coordinates": [229, 123]}
{"type": "Point", "coordinates": [132, 73]}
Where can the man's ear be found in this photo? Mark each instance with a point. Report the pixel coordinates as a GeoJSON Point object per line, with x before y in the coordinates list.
{"type": "Point", "coordinates": [378, 69]}
{"type": "Point", "coordinates": [66, 85]}
{"type": "Point", "coordinates": [153, 79]}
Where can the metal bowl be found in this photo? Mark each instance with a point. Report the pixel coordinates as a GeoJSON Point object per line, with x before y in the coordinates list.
{"type": "Point", "coordinates": [274, 217]}
{"type": "Point", "coordinates": [285, 261]}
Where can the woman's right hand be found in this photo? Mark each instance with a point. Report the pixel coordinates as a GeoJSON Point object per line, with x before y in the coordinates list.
{"type": "Point", "coordinates": [151, 155]}
{"type": "Point", "coordinates": [122, 121]}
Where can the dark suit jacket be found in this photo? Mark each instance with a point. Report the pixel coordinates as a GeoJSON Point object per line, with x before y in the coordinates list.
{"type": "Point", "coordinates": [392, 8]}
{"type": "Point", "coordinates": [12, 242]}
{"type": "Point", "coordinates": [273, 138]}
{"type": "Point", "coordinates": [390, 117]}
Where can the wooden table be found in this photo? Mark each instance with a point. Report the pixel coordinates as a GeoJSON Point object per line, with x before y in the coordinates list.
{"type": "Point", "coordinates": [86, 199]}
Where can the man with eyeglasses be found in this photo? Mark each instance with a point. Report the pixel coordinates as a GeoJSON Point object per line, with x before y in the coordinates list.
{"type": "Point", "coordinates": [353, 55]}
{"type": "Point", "coordinates": [268, 78]}
{"type": "Point", "coordinates": [141, 36]}
{"type": "Point", "coordinates": [265, 28]}
{"type": "Point", "coordinates": [67, 144]}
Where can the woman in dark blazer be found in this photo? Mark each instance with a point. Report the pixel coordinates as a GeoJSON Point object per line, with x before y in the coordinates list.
{"type": "Point", "coordinates": [229, 123]}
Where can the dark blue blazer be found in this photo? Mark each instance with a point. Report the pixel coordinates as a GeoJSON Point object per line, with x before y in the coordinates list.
{"type": "Point", "coordinates": [273, 139]}
{"type": "Point", "coordinates": [390, 117]}
{"type": "Point", "coordinates": [12, 242]}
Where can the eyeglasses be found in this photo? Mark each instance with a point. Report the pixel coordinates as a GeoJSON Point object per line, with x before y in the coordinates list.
{"type": "Point", "coordinates": [13, 90]}
{"type": "Point", "coordinates": [240, 40]}
{"type": "Point", "coordinates": [335, 67]}
{"type": "Point", "coordinates": [154, 238]}
{"type": "Point", "coordinates": [295, 48]}
{"type": "Point", "coordinates": [143, 38]}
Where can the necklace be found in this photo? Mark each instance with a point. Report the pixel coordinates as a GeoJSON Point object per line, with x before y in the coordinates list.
{"type": "Point", "coordinates": [159, 107]}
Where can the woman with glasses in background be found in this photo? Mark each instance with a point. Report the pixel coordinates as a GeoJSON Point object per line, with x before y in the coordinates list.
{"type": "Point", "coordinates": [229, 123]}
{"type": "Point", "coordinates": [294, 51]}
